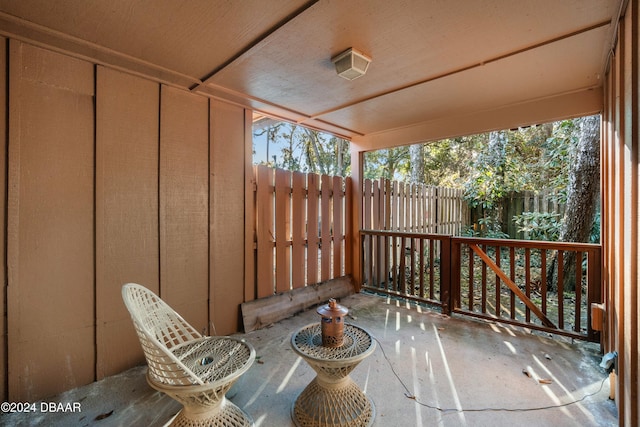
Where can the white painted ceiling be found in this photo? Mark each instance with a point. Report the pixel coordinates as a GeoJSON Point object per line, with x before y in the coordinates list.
{"type": "Point", "coordinates": [432, 59]}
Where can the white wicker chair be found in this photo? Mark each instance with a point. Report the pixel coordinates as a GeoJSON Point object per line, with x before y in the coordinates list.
{"type": "Point", "coordinates": [195, 370]}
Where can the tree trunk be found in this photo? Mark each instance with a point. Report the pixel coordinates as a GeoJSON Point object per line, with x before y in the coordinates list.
{"type": "Point", "coordinates": [416, 152]}
{"type": "Point", "coordinates": [582, 199]}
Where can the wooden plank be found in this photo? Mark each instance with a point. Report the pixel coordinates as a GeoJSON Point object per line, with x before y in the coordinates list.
{"type": "Point", "coordinates": [402, 199]}
{"type": "Point", "coordinates": [127, 240]}
{"type": "Point", "coordinates": [3, 209]}
{"type": "Point", "coordinates": [395, 206]}
{"type": "Point", "coordinates": [415, 209]}
{"type": "Point", "coordinates": [496, 269]}
{"type": "Point", "coordinates": [368, 219]}
{"type": "Point", "coordinates": [498, 286]}
{"type": "Point", "coordinates": [312, 228]}
{"type": "Point", "coordinates": [325, 221]}
{"type": "Point", "coordinates": [560, 289]}
{"type": "Point", "coordinates": [527, 279]}
{"type": "Point", "coordinates": [349, 237]}
{"type": "Point", "coordinates": [367, 216]}
{"type": "Point", "coordinates": [50, 223]}
{"type": "Point", "coordinates": [373, 194]}
{"type": "Point", "coordinates": [226, 256]}
{"type": "Point", "coordinates": [512, 276]}
{"type": "Point", "coordinates": [264, 225]}
{"type": "Point", "coordinates": [283, 229]}
{"type": "Point", "coordinates": [184, 200]}
{"type": "Point", "coordinates": [338, 232]}
{"type": "Point", "coordinates": [385, 187]}
{"type": "Point", "coordinates": [263, 312]}
{"type": "Point", "coordinates": [378, 224]}
{"type": "Point", "coordinates": [471, 271]}
{"type": "Point", "coordinates": [370, 245]}
{"type": "Point", "coordinates": [298, 251]}
{"type": "Point", "coordinates": [249, 211]}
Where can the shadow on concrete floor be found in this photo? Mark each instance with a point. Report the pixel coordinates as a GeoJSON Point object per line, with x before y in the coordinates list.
{"type": "Point", "coordinates": [428, 369]}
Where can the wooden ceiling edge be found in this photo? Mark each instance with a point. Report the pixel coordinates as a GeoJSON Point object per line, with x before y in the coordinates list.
{"type": "Point", "coordinates": [37, 35]}
{"type": "Point", "coordinates": [465, 68]}
{"type": "Point", "coordinates": [258, 40]}
{"type": "Point", "coordinates": [270, 109]}
{"type": "Point", "coordinates": [564, 106]}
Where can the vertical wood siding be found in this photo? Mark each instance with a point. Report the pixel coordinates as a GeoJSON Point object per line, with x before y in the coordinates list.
{"type": "Point", "coordinates": [3, 208]}
{"type": "Point", "coordinates": [50, 238]}
{"type": "Point", "coordinates": [127, 241]}
{"type": "Point", "coordinates": [620, 212]}
{"type": "Point", "coordinates": [184, 205]}
{"type": "Point", "coordinates": [111, 178]}
{"type": "Point", "coordinates": [226, 209]}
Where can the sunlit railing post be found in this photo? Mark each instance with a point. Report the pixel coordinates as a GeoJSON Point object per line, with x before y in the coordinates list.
{"type": "Point", "coordinates": [449, 273]}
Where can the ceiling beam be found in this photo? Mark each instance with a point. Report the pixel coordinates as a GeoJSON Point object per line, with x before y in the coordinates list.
{"type": "Point", "coordinates": [56, 41]}
{"type": "Point", "coordinates": [565, 106]}
{"type": "Point", "coordinates": [277, 26]}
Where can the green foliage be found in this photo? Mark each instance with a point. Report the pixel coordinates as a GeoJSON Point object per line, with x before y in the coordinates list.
{"type": "Point", "coordinates": [539, 225]}
{"type": "Point", "coordinates": [488, 166]}
{"type": "Point", "coordinates": [391, 163]}
{"type": "Point", "coordinates": [487, 227]}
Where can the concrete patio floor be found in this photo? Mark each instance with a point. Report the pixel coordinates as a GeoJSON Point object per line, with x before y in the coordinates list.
{"type": "Point", "coordinates": [457, 372]}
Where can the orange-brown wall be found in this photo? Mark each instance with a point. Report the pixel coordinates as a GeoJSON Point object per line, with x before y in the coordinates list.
{"type": "Point", "coordinates": [620, 213]}
{"type": "Point", "coordinates": [111, 178]}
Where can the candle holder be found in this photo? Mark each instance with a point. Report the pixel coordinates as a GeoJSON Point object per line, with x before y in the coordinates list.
{"type": "Point", "coordinates": [332, 323]}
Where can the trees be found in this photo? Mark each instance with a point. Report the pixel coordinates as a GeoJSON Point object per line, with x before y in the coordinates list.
{"type": "Point", "coordinates": [301, 149]}
{"type": "Point", "coordinates": [583, 190]}
{"type": "Point", "coordinates": [387, 163]}
{"type": "Point", "coordinates": [488, 166]}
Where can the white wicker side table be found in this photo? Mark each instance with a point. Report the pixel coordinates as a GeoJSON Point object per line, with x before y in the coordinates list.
{"type": "Point", "coordinates": [332, 398]}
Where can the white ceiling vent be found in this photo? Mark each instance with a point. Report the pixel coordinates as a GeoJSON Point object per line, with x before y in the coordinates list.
{"type": "Point", "coordinates": [351, 64]}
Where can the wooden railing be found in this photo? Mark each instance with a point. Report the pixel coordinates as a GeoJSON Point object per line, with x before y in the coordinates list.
{"type": "Point", "coordinates": [520, 282]}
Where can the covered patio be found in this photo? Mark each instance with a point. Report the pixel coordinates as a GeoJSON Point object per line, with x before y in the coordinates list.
{"type": "Point", "coordinates": [127, 157]}
{"type": "Point", "coordinates": [427, 369]}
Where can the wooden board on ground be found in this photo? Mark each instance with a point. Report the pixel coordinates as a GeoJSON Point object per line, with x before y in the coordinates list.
{"type": "Point", "coordinates": [265, 311]}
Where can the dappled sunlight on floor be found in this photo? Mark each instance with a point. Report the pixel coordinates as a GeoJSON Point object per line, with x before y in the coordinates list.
{"type": "Point", "coordinates": [427, 370]}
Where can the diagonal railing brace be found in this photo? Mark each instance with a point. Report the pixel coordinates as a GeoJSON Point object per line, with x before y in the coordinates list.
{"type": "Point", "coordinates": [514, 288]}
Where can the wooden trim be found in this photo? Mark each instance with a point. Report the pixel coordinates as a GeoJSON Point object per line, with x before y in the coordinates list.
{"type": "Point", "coordinates": [265, 311]}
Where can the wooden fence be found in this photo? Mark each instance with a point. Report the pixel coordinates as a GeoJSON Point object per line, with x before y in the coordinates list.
{"type": "Point", "coordinates": [301, 229]}
{"type": "Point", "coordinates": [517, 203]}
{"type": "Point", "coordinates": [413, 208]}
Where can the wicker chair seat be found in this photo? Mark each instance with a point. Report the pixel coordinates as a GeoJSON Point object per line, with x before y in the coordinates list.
{"type": "Point", "coordinates": [195, 370]}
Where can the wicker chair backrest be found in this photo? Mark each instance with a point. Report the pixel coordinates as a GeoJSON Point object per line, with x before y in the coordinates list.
{"type": "Point", "coordinates": [159, 330]}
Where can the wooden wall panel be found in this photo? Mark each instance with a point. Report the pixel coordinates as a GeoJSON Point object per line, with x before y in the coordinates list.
{"type": "Point", "coordinates": [620, 213]}
{"type": "Point", "coordinates": [3, 207]}
{"type": "Point", "coordinates": [50, 223]}
{"type": "Point", "coordinates": [227, 216]}
{"type": "Point", "coordinates": [184, 205]}
{"type": "Point", "coordinates": [127, 247]}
